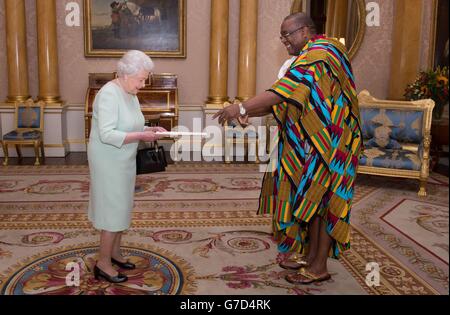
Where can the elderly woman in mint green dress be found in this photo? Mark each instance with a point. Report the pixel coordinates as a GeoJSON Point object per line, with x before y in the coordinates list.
{"type": "Point", "coordinates": [117, 128]}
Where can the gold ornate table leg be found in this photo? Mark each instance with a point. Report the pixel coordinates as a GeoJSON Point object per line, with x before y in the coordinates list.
{"type": "Point", "coordinates": [36, 151]}
{"type": "Point", "coordinates": [42, 150]}
{"type": "Point", "coordinates": [19, 152]}
{"type": "Point", "coordinates": [5, 152]}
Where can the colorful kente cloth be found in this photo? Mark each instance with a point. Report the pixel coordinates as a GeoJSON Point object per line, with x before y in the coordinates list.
{"type": "Point", "coordinates": [318, 150]}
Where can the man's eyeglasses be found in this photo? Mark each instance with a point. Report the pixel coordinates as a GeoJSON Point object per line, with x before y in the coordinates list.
{"type": "Point", "coordinates": [286, 35]}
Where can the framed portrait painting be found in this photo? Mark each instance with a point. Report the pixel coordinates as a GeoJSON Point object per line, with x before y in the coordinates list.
{"type": "Point", "coordinates": [157, 27]}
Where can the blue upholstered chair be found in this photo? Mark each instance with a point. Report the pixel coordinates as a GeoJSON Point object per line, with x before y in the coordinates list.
{"type": "Point", "coordinates": [29, 129]}
{"type": "Point", "coordinates": [396, 138]}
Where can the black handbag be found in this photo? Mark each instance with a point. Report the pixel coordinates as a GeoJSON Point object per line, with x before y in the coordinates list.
{"type": "Point", "coordinates": [151, 160]}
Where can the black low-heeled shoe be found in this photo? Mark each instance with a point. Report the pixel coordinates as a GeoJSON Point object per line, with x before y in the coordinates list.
{"type": "Point", "coordinates": [123, 265]}
{"type": "Point", "coordinates": [98, 273]}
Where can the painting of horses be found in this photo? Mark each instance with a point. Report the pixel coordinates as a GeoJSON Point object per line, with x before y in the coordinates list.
{"type": "Point", "coordinates": [157, 27]}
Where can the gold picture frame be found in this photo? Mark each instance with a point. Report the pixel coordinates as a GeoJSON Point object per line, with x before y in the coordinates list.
{"type": "Point", "coordinates": [157, 27]}
{"type": "Point", "coordinates": [439, 35]}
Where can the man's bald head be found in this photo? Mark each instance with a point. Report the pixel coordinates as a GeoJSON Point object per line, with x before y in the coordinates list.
{"type": "Point", "coordinates": [302, 19]}
{"type": "Point", "coordinates": [296, 30]}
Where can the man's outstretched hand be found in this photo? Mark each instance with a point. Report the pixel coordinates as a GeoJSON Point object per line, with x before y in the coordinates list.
{"type": "Point", "coordinates": [227, 114]}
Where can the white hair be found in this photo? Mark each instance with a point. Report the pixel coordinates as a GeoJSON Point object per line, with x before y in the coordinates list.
{"type": "Point", "coordinates": [133, 62]}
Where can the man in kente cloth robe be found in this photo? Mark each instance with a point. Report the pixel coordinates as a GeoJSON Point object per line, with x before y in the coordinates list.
{"type": "Point", "coordinates": [310, 192]}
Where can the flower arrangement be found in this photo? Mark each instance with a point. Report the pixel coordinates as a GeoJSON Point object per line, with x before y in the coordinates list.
{"type": "Point", "coordinates": [430, 84]}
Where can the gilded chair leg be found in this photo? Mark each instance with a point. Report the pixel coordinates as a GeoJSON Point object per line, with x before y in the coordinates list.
{"type": "Point", "coordinates": [5, 153]}
{"type": "Point", "coordinates": [42, 151]}
{"type": "Point", "coordinates": [423, 188]}
{"type": "Point", "coordinates": [19, 152]}
{"type": "Point", "coordinates": [36, 151]}
{"type": "Point", "coordinates": [257, 161]}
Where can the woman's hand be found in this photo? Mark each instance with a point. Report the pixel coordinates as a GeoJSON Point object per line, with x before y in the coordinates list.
{"type": "Point", "coordinates": [155, 129]}
{"type": "Point", "coordinates": [150, 133]}
{"type": "Point", "coordinates": [149, 136]}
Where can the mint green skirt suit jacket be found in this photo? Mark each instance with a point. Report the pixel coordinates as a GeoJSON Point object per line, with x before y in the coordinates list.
{"type": "Point", "coordinates": [112, 164]}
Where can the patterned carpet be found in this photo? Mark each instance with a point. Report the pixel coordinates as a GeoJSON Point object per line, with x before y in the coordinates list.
{"type": "Point", "coordinates": [414, 230]}
{"type": "Point", "coordinates": [195, 232]}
